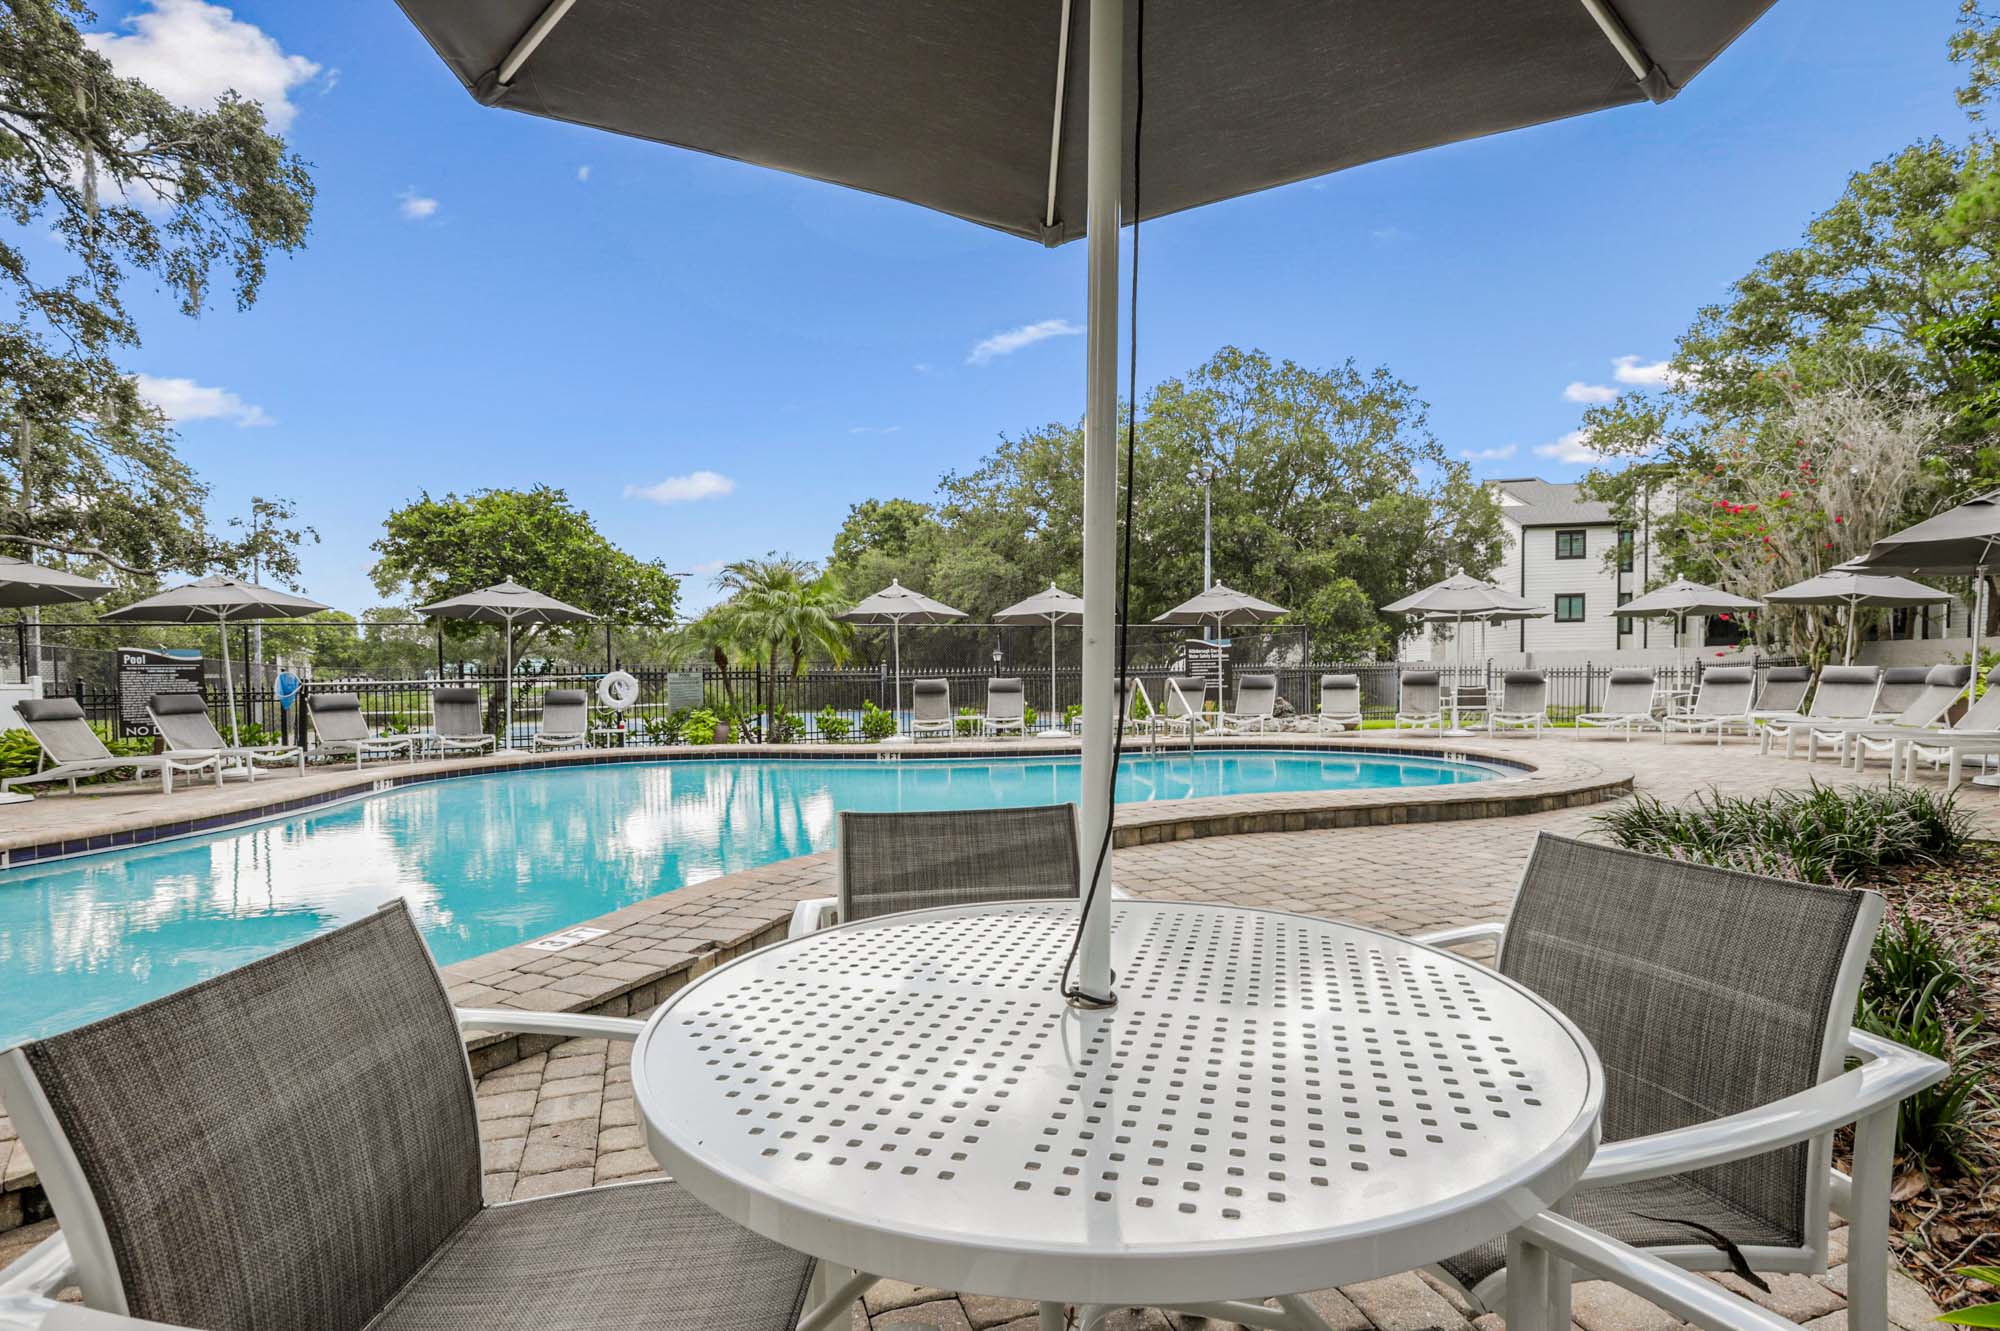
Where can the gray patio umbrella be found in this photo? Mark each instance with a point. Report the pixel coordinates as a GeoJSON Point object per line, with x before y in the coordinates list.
{"type": "Point", "coordinates": [226, 601]}
{"type": "Point", "coordinates": [1681, 598]}
{"type": "Point", "coordinates": [1052, 607]}
{"type": "Point", "coordinates": [1961, 542]}
{"type": "Point", "coordinates": [1454, 600]}
{"type": "Point", "coordinates": [506, 603]}
{"type": "Point", "coordinates": [895, 605]}
{"type": "Point", "coordinates": [1015, 117]}
{"type": "Point", "coordinates": [23, 584]}
{"type": "Point", "coordinates": [1855, 589]}
{"type": "Point", "coordinates": [1225, 606]}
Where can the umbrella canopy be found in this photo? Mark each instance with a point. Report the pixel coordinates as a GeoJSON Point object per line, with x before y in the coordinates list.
{"type": "Point", "coordinates": [893, 605]}
{"type": "Point", "coordinates": [1681, 597]}
{"type": "Point", "coordinates": [1052, 607]}
{"type": "Point", "coordinates": [1856, 588]}
{"type": "Point", "coordinates": [507, 603]}
{"type": "Point", "coordinates": [1462, 596]}
{"type": "Point", "coordinates": [224, 600]}
{"type": "Point", "coordinates": [1961, 542]}
{"type": "Point", "coordinates": [978, 110]}
{"type": "Point", "coordinates": [26, 584]}
{"type": "Point", "coordinates": [1223, 605]}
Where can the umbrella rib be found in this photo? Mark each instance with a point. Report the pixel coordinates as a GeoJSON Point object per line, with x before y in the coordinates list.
{"type": "Point", "coordinates": [537, 32]}
{"type": "Point", "coordinates": [1615, 32]}
{"type": "Point", "coordinates": [1055, 130]}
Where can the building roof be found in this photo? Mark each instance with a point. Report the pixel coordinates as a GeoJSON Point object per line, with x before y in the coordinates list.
{"type": "Point", "coordinates": [1530, 502]}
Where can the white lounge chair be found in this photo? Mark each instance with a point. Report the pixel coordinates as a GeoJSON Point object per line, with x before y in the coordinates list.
{"type": "Point", "coordinates": [1628, 704]}
{"type": "Point", "coordinates": [1184, 702]}
{"type": "Point", "coordinates": [1976, 735]}
{"type": "Point", "coordinates": [1722, 700]}
{"type": "Point", "coordinates": [1419, 701]}
{"type": "Point", "coordinates": [565, 720]}
{"type": "Point", "coordinates": [1844, 693]}
{"type": "Point", "coordinates": [183, 722]}
{"type": "Point", "coordinates": [1943, 686]}
{"type": "Point", "coordinates": [1524, 703]}
{"type": "Point", "coordinates": [1783, 695]}
{"type": "Point", "coordinates": [457, 725]}
{"type": "Point", "coordinates": [72, 750]}
{"type": "Point", "coordinates": [1902, 686]}
{"type": "Point", "coordinates": [1339, 703]}
{"type": "Point", "coordinates": [1256, 703]}
{"type": "Point", "coordinates": [1006, 707]}
{"type": "Point", "coordinates": [930, 710]}
{"type": "Point", "coordinates": [342, 731]}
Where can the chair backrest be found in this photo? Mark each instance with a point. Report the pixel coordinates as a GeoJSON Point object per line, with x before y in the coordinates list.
{"type": "Point", "coordinates": [1524, 692]}
{"type": "Point", "coordinates": [1340, 695]}
{"type": "Point", "coordinates": [1005, 698]}
{"type": "Point", "coordinates": [1785, 688]}
{"type": "Point", "coordinates": [58, 725]}
{"type": "Point", "coordinates": [337, 717]}
{"type": "Point", "coordinates": [955, 857]}
{"type": "Point", "coordinates": [1943, 686]}
{"type": "Point", "coordinates": [1983, 713]}
{"type": "Point", "coordinates": [182, 720]}
{"type": "Point", "coordinates": [1184, 695]}
{"type": "Point", "coordinates": [565, 712]}
{"type": "Point", "coordinates": [1706, 992]}
{"type": "Point", "coordinates": [930, 700]}
{"type": "Point", "coordinates": [1725, 691]}
{"type": "Point", "coordinates": [1902, 686]}
{"type": "Point", "coordinates": [1629, 693]}
{"type": "Point", "coordinates": [1418, 693]}
{"type": "Point", "coordinates": [1256, 695]}
{"type": "Point", "coordinates": [1846, 693]}
{"type": "Point", "coordinates": [455, 713]}
{"type": "Point", "coordinates": [284, 1145]}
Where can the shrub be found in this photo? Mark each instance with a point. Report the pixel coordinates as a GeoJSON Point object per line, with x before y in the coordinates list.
{"type": "Point", "coordinates": [1071, 713]}
{"type": "Point", "coordinates": [786, 727]}
{"type": "Point", "coordinates": [966, 722]}
{"type": "Point", "coordinates": [833, 727]}
{"type": "Point", "coordinates": [876, 724]}
{"type": "Point", "coordinates": [1030, 718]}
{"type": "Point", "coordinates": [19, 753]}
{"type": "Point", "coordinates": [698, 726]}
{"type": "Point", "coordinates": [1940, 1123]}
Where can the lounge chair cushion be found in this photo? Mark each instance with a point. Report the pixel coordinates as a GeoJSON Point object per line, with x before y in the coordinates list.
{"type": "Point", "coordinates": [334, 702]}
{"type": "Point", "coordinates": [1419, 678]}
{"type": "Point", "coordinates": [1910, 674]}
{"type": "Point", "coordinates": [1782, 675]}
{"type": "Point", "coordinates": [456, 697]}
{"type": "Point", "coordinates": [1340, 681]}
{"type": "Point", "coordinates": [647, 1257]}
{"type": "Point", "coordinates": [177, 704]}
{"type": "Point", "coordinates": [1849, 675]}
{"type": "Point", "coordinates": [930, 688]}
{"type": "Point", "coordinates": [1730, 675]}
{"type": "Point", "coordinates": [49, 709]}
{"type": "Point", "coordinates": [1632, 677]}
{"type": "Point", "coordinates": [564, 698]}
{"type": "Point", "coordinates": [1948, 676]}
{"type": "Point", "coordinates": [1522, 677]}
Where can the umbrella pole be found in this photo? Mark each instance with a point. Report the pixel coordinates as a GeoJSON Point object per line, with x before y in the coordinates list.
{"type": "Point", "coordinates": [507, 684]}
{"type": "Point", "coordinates": [1849, 658]}
{"type": "Point", "coordinates": [896, 698]}
{"type": "Point", "coordinates": [1049, 722]}
{"type": "Point", "coordinates": [1104, 185]}
{"type": "Point", "coordinates": [228, 685]}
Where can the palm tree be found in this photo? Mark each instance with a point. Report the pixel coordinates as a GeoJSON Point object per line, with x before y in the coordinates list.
{"type": "Point", "coordinates": [779, 604]}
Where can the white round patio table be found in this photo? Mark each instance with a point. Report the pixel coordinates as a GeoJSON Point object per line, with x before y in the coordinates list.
{"type": "Point", "coordinates": [1277, 1104]}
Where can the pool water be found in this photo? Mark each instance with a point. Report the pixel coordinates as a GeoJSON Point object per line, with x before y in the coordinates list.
{"type": "Point", "coordinates": [494, 860]}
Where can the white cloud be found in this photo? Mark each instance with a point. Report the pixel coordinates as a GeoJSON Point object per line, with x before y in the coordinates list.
{"type": "Point", "coordinates": [922, 367]}
{"type": "Point", "coordinates": [1499, 453]}
{"type": "Point", "coordinates": [1011, 340]}
{"type": "Point", "coordinates": [1643, 373]}
{"type": "Point", "coordinates": [193, 52]}
{"type": "Point", "coordinates": [186, 400]}
{"type": "Point", "coordinates": [683, 489]}
{"type": "Point", "coordinates": [416, 207]}
{"type": "Point", "coordinates": [1573, 448]}
{"type": "Point", "coordinates": [874, 429]}
{"type": "Point", "coordinates": [583, 172]}
{"type": "Point", "coordinates": [1583, 392]}
{"type": "Point", "coordinates": [1386, 233]}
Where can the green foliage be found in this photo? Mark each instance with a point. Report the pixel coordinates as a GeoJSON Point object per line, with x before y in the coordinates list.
{"type": "Point", "coordinates": [1071, 713]}
{"type": "Point", "coordinates": [1985, 1314]}
{"type": "Point", "coordinates": [698, 727]}
{"type": "Point", "coordinates": [19, 753]}
{"type": "Point", "coordinates": [877, 724]}
{"type": "Point", "coordinates": [1821, 835]}
{"type": "Point", "coordinates": [1905, 998]}
{"type": "Point", "coordinates": [786, 727]}
{"type": "Point", "coordinates": [967, 722]}
{"type": "Point", "coordinates": [268, 549]}
{"type": "Point", "coordinates": [1030, 718]}
{"type": "Point", "coordinates": [833, 727]}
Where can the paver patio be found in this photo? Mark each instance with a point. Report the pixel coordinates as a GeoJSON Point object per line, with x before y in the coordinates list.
{"type": "Point", "coordinates": [564, 1117]}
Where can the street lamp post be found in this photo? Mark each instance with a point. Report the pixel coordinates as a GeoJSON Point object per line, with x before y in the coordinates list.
{"type": "Point", "coordinates": [1206, 475]}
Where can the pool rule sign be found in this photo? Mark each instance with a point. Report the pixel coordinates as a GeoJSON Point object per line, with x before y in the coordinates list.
{"type": "Point", "coordinates": [142, 673]}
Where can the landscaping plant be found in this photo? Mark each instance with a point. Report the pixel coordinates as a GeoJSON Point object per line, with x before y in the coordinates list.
{"type": "Point", "coordinates": [698, 726]}
{"type": "Point", "coordinates": [966, 723]}
{"type": "Point", "coordinates": [833, 727]}
{"type": "Point", "coordinates": [876, 724]}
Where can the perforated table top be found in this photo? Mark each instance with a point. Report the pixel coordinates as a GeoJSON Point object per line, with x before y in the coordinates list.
{"type": "Point", "coordinates": [1277, 1103]}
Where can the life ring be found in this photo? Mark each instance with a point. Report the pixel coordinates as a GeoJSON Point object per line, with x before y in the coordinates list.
{"type": "Point", "coordinates": [618, 690]}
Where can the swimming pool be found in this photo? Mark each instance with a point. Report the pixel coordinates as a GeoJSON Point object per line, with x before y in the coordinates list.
{"type": "Point", "coordinates": [493, 860]}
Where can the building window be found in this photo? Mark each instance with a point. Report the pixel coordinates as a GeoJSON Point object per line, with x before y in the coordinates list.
{"type": "Point", "coordinates": [1624, 551]}
{"type": "Point", "coordinates": [1569, 608]}
{"type": "Point", "coordinates": [1625, 621]}
{"type": "Point", "coordinates": [1569, 543]}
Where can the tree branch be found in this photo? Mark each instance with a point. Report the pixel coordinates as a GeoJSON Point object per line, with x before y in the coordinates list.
{"type": "Point", "coordinates": [86, 551]}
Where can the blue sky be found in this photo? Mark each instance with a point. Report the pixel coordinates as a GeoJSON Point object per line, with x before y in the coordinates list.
{"type": "Point", "coordinates": [716, 360]}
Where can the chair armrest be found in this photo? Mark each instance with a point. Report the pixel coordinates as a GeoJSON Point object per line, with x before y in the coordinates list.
{"type": "Point", "coordinates": [1891, 1072]}
{"type": "Point", "coordinates": [1468, 933]}
{"type": "Point", "coordinates": [570, 1024]}
{"type": "Point", "coordinates": [71, 1317]}
{"type": "Point", "coordinates": [812, 915]}
{"type": "Point", "coordinates": [1689, 1297]}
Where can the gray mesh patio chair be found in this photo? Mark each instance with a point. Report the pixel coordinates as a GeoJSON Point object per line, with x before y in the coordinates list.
{"type": "Point", "coordinates": [1256, 703]}
{"type": "Point", "coordinates": [1183, 705]}
{"type": "Point", "coordinates": [458, 724]}
{"type": "Point", "coordinates": [1339, 703]}
{"type": "Point", "coordinates": [184, 726]}
{"type": "Point", "coordinates": [565, 720]}
{"type": "Point", "coordinates": [1975, 734]}
{"type": "Point", "coordinates": [1943, 686]}
{"type": "Point", "coordinates": [72, 750]}
{"type": "Point", "coordinates": [1524, 703]}
{"type": "Point", "coordinates": [295, 1144]}
{"type": "Point", "coordinates": [953, 857]}
{"type": "Point", "coordinates": [1721, 701]}
{"type": "Point", "coordinates": [1006, 707]}
{"type": "Point", "coordinates": [1845, 693]}
{"type": "Point", "coordinates": [1132, 696]}
{"type": "Point", "coordinates": [1901, 686]}
{"type": "Point", "coordinates": [930, 709]}
{"type": "Point", "coordinates": [1628, 704]}
{"type": "Point", "coordinates": [1784, 692]}
{"type": "Point", "coordinates": [341, 729]}
{"type": "Point", "coordinates": [1419, 701]}
{"type": "Point", "coordinates": [1719, 1004]}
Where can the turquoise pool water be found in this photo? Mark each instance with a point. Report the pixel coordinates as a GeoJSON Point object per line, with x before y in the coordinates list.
{"type": "Point", "coordinates": [490, 861]}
